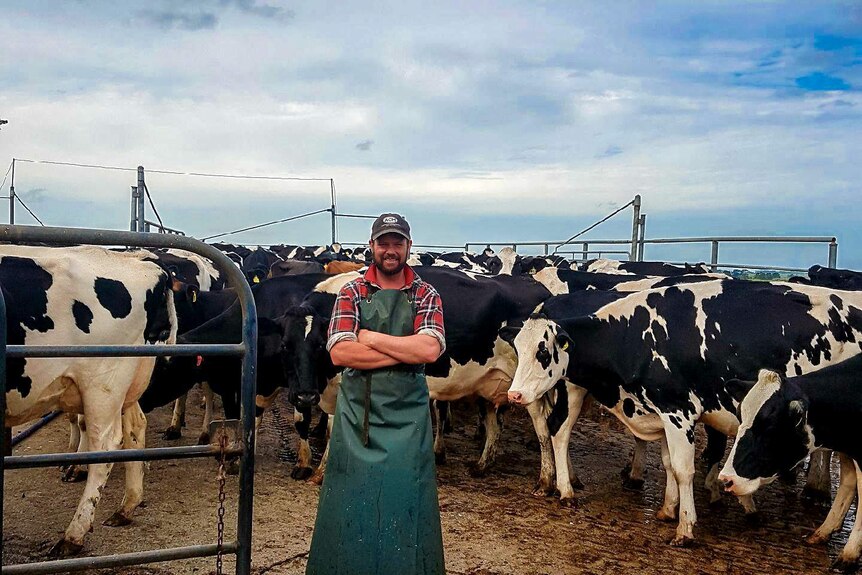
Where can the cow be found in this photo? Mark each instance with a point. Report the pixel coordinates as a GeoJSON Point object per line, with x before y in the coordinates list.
{"type": "Point", "coordinates": [86, 296]}
{"type": "Point", "coordinates": [256, 265]}
{"type": "Point", "coordinates": [294, 267]}
{"type": "Point", "coordinates": [642, 268]}
{"type": "Point", "coordinates": [659, 359]}
{"type": "Point", "coordinates": [832, 278]}
{"type": "Point", "coordinates": [235, 252]}
{"type": "Point", "coordinates": [783, 420]}
{"type": "Point", "coordinates": [341, 267]}
{"type": "Point", "coordinates": [562, 281]}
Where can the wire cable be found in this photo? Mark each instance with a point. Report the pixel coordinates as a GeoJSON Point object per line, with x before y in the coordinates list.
{"type": "Point", "coordinates": [582, 232]}
{"type": "Point", "coordinates": [20, 201]}
{"type": "Point", "coordinates": [267, 224]}
{"type": "Point", "coordinates": [7, 174]}
{"type": "Point", "coordinates": [152, 205]}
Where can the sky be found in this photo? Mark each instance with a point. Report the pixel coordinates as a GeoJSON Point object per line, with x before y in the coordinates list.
{"type": "Point", "coordinates": [479, 121]}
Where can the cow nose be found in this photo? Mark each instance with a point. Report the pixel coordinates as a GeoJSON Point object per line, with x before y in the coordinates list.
{"type": "Point", "coordinates": [308, 399]}
{"type": "Point", "coordinates": [515, 396]}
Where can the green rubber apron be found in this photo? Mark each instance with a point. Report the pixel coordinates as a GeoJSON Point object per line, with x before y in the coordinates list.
{"type": "Point", "coordinates": [378, 512]}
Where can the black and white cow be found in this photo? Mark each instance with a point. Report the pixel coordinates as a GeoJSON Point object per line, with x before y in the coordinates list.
{"type": "Point", "coordinates": [294, 267]}
{"type": "Point", "coordinates": [86, 296]}
{"type": "Point", "coordinates": [783, 420]}
{"type": "Point", "coordinates": [642, 268]}
{"type": "Point", "coordinates": [561, 281]}
{"type": "Point", "coordinates": [659, 360]}
{"type": "Point", "coordinates": [256, 265]}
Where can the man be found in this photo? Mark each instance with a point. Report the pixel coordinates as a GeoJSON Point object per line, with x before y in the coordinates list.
{"type": "Point", "coordinates": [378, 512]}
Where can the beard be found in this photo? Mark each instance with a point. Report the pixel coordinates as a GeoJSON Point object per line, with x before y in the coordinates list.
{"type": "Point", "coordinates": [379, 262]}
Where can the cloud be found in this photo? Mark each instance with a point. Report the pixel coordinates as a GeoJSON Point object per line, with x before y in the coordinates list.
{"type": "Point", "coordinates": [262, 10]}
{"type": "Point", "coordinates": [610, 152]}
{"type": "Point", "coordinates": [33, 195]}
{"type": "Point", "coordinates": [364, 145]}
{"type": "Point", "coordinates": [168, 20]}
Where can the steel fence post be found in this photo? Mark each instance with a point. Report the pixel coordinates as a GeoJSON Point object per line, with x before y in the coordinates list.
{"type": "Point", "coordinates": [833, 253]}
{"type": "Point", "coordinates": [141, 194]}
{"type": "Point", "coordinates": [636, 217]}
{"type": "Point", "coordinates": [714, 257]}
{"type": "Point", "coordinates": [642, 227]}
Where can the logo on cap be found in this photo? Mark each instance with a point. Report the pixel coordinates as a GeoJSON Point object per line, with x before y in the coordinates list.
{"type": "Point", "coordinates": [389, 220]}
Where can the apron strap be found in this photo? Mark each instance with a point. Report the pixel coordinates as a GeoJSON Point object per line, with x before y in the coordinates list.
{"type": "Point", "coordinates": [366, 410]}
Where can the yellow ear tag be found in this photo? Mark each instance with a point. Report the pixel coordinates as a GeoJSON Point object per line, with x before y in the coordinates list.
{"type": "Point", "coordinates": [256, 280]}
{"type": "Point", "coordinates": [532, 271]}
{"type": "Point", "coordinates": [194, 296]}
{"type": "Point", "coordinates": [565, 346]}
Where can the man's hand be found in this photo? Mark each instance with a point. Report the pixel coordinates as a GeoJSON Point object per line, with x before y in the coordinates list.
{"type": "Point", "coordinates": [410, 349]}
{"type": "Point", "coordinates": [359, 356]}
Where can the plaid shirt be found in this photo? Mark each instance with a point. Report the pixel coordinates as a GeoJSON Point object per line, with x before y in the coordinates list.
{"type": "Point", "coordinates": [344, 325]}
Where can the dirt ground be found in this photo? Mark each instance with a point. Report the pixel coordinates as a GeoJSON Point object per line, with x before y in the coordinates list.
{"type": "Point", "coordinates": [491, 525]}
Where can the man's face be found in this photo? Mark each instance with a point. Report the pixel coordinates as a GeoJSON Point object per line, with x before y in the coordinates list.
{"type": "Point", "coordinates": [390, 253]}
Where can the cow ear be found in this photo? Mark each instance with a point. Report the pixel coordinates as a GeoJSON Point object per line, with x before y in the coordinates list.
{"type": "Point", "coordinates": [738, 388]}
{"type": "Point", "coordinates": [564, 342]}
{"type": "Point", "coordinates": [509, 332]}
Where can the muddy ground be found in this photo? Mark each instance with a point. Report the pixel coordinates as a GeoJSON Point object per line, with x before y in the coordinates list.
{"type": "Point", "coordinates": [491, 525]}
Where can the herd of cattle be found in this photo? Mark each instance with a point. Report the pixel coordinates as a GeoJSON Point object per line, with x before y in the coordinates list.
{"type": "Point", "coordinates": [662, 347]}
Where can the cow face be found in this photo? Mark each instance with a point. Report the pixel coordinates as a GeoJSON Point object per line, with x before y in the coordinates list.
{"type": "Point", "coordinates": [161, 325]}
{"type": "Point", "coordinates": [543, 357]}
{"type": "Point", "coordinates": [303, 351]}
{"type": "Point", "coordinates": [189, 315]}
{"type": "Point", "coordinates": [773, 437]}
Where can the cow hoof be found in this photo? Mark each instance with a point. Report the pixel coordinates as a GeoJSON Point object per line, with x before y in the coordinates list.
{"type": "Point", "coordinates": [626, 471]}
{"type": "Point", "coordinates": [478, 470]}
{"type": "Point", "coordinates": [117, 520]}
{"type": "Point", "coordinates": [204, 438]}
{"type": "Point", "coordinates": [569, 502]}
{"type": "Point", "coordinates": [171, 434]}
{"type": "Point", "coordinates": [232, 467]}
{"type": "Point", "coordinates": [633, 484]}
{"type": "Point", "coordinates": [64, 548]}
{"type": "Point", "coordinates": [74, 474]}
{"type": "Point", "coordinates": [681, 541]}
{"type": "Point", "coordinates": [301, 473]}
{"type": "Point", "coordinates": [663, 515]}
{"type": "Point", "coordinates": [843, 566]}
{"type": "Point", "coordinates": [440, 458]}
{"type": "Point", "coordinates": [814, 539]}
{"type": "Point", "coordinates": [753, 518]}
{"type": "Point", "coordinates": [543, 490]}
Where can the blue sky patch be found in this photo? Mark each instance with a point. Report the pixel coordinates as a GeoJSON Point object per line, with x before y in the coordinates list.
{"type": "Point", "coordinates": [818, 82]}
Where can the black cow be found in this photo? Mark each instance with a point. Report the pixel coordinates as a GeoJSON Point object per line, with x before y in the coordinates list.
{"type": "Point", "coordinates": [294, 267]}
{"type": "Point", "coordinates": [832, 278]}
{"type": "Point", "coordinates": [256, 265]}
{"type": "Point", "coordinates": [784, 420]}
{"type": "Point", "coordinates": [659, 359]}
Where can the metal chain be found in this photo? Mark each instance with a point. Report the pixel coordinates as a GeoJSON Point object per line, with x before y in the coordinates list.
{"type": "Point", "coordinates": [221, 497]}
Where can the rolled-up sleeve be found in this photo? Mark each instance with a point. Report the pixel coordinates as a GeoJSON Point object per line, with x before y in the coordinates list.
{"type": "Point", "coordinates": [344, 324]}
{"type": "Point", "coordinates": [429, 315]}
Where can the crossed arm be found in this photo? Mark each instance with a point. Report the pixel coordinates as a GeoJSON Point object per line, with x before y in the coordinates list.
{"type": "Point", "coordinates": [374, 350]}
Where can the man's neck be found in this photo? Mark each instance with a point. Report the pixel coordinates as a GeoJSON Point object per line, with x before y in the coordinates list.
{"type": "Point", "coordinates": [390, 282]}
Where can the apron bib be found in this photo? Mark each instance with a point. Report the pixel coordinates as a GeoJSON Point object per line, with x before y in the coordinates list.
{"type": "Point", "coordinates": [378, 512]}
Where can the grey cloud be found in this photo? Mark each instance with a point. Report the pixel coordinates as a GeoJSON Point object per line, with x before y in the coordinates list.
{"type": "Point", "coordinates": [34, 195]}
{"type": "Point", "coordinates": [365, 145]}
{"type": "Point", "coordinates": [168, 20]}
{"type": "Point", "coordinates": [611, 151]}
{"type": "Point", "coordinates": [262, 10]}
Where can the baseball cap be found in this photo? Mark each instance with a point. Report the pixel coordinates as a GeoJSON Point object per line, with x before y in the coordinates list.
{"type": "Point", "coordinates": [390, 224]}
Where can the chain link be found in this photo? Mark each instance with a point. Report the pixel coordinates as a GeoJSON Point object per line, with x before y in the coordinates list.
{"type": "Point", "coordinates": [221, 497]}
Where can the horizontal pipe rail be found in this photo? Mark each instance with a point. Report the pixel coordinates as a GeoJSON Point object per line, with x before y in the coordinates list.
{"type": "Point", "coordinates": [737, 239]}
{"type": "Point", "coordinates": [124, 350]}
{"type": "Point", "coordinates": [118, 456]}
{"type": "Point", "coordinates": [39, 424]}
{"type": "Point", "coordinates": [121, 560]}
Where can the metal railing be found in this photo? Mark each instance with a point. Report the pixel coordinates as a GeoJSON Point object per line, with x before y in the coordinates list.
{"type": "Point", "coordinates": [247, 350]}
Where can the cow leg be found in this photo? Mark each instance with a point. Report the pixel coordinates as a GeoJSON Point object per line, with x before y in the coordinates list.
{"type": "Point", "coordinates": [843, 498]}
{"type": "Point", "coordinates": [178, 419]}
{"type": "Point", "coordinates": [302, 421]}
{"type": "Point", "coordinates": [680, 444]}
{"type": "Point", "coordinates": [850, 554]}
{"type": "Point", "coordinates": [567, 479]}
{"type": "Point", "coordinates": [134, 437]}
{"type": "Point", "coordinates": [204, 437]}
{"type": "Point", "coordinates": [75, 473]}
{"type": "Point", "coordinates": [322, 428]}
{"type": "Point", "coordinates": [819, 481]}
{"type": "Point", "coordinates": [716, 442]}
{"type": "Point", "coordinates": [317, 477]}
{"type": "Point", "coordinates": [105, 433]}
{"type": "Point", "coordinates": [547, 475]}
{"type": "Point", "coordinates": [441, 411]}
{"type": "Point", "coordinates": [492, 437]}
{"type": "Point", "coordinates": [633, 473]}
{"type": "Point", "coordinates": [671, 489]}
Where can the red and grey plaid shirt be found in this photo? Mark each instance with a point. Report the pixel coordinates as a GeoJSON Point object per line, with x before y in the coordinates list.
{"type": "Point", "coordinates": [344, 324]}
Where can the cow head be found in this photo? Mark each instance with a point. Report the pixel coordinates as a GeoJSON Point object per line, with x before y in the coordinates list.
{"type": "Point", "coordinates": [773, 437]}
{"type": "Point", "coordinates": [543, 357]}
{"type": "Point", "coordinates": [186, 303]}
{"type": "Point", "coordinates": [303, 351]}
{"type": "Point", "coordinates": [161, 324]}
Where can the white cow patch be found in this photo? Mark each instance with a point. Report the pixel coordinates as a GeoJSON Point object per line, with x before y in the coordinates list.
{"type": "Point", "coordinates": [334, 284]}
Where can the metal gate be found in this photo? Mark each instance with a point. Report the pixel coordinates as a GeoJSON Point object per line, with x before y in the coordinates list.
{"type": "Point", "coordinates": [247, 350]}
